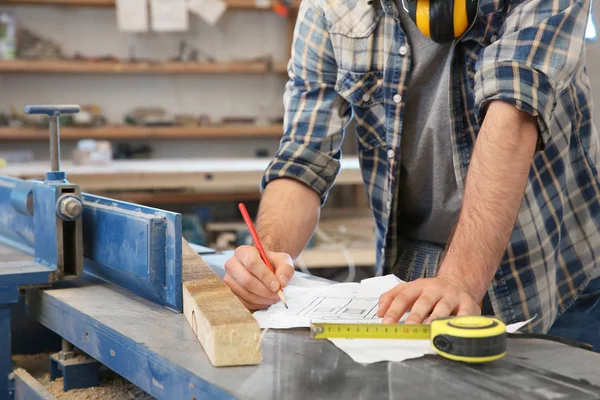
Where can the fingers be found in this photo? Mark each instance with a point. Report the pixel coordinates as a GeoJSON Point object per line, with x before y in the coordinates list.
{"type": "Point", "coordinates": [250, 300]}
{"type": "Point", "coordinates": [250, 258]}
{"type": "Point", "coordinates": [385, 300]}
{"type": "Point", "coordinates": [284, 267]}
{"type": "Point", "coordinates": [401, 303]}
{"type": "Point", "coordinates": [468, 307]}
{"type": "Point", "coordinates": [456, 305]}
{"type": "Point", "coordinates": [422, 307]}
{"type": "Point", "coordinates": [445, 307]}
{"type": "Point", "coordinates": [247, 280]}
{"type": "Point", "coordinates": [252, 281]}
{"type": "Point", "coordinates": [427, 299]}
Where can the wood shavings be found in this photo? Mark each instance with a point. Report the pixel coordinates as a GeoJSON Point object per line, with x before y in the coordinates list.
{"type": "Point", "coordinates": [112, 386]}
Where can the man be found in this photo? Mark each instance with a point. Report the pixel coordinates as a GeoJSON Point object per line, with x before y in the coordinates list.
{"type": "Point", "coordinates": [479, 156]}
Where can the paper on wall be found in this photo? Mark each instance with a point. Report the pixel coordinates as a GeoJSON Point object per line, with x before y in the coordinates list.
{"type": "Point", "coordinates": [209, 10]}
{"type": "Point", "coordinates": [346, 303]}
{"type": "Point", "coordinates": [169, 15]}
{"type": "Point", "coordinates": [262, 3]}
{"type": "Point", "coordinates": [132, 15]}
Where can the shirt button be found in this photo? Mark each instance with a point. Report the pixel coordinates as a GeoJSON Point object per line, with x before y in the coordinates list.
{"type": "Point", "coordinates": [366, 97]}
{"type": "Point", "coordinates": [493, 39]}
{"type": "Point", "coordinates": [397, 98]}
{"type": "Point", "coordinates": [382, 250]}
{"type": "Point", "coordinates": [391, 153]}
{"type": "Point", "coordinates": [403, 50]}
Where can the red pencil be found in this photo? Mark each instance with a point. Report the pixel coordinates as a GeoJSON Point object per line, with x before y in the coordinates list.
{"type": "Point", "coordinates": [259, 247]}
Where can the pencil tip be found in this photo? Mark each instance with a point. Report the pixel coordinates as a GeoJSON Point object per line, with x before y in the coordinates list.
{"type": "Point", "coordinates": [282, 297]}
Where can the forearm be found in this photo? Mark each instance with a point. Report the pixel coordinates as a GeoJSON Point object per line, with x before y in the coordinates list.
{"type": "Point", "coordinates": [288, 215]}
{"type": "Point", "coordinates": [493, 193]}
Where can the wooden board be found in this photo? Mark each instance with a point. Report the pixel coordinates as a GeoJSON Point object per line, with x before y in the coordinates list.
{"type": "Point", "coordinates": [121, 132]}
{"type": "Point", "coordinates": [227, 331]}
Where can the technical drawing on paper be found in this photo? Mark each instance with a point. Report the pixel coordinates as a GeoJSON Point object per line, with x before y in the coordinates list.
{"type": "Point", "coordinates": [333, 308]}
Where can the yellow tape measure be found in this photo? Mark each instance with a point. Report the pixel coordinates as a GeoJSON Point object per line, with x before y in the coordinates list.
{"type": "Point", "coordinates": [472, 339]}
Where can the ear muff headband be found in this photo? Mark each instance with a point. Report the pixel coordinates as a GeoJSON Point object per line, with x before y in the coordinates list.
{"type": "Point", "coordinates": [441, 16]}
{"type": "Point", "coordinates": [422, 16]}
{"type": "Point", "coordinates": [461, 19]}
{"type": "Point", "coordinates": [441, 20]}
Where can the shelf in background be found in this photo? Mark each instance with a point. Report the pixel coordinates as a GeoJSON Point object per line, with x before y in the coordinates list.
{"type": "Point", "coordinates": [154, 198]}
{"type": "Point", "coordinates": [231, 4]}
{"type": "Point", "coordinates": [109, 67]}
{"type": "Point", "coordinates": [280, 67]}
{"type": "Point", "coordinates": [146, 132]}
{"type": "Point", "coordinates": [334, 258]}
{"type": "Point", "coordinates": [83, 3]}
{"type": "Point", "coordinates": [205, 175]}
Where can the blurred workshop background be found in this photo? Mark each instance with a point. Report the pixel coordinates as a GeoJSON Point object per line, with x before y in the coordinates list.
{"type": "Point", "coordinates": [181, 109]}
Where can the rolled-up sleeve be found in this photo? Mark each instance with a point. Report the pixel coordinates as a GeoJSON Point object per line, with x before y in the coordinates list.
{"type": "Point", "coordinates": [536, 55]}
{"type": "Point", "coordinates": [315, 115]}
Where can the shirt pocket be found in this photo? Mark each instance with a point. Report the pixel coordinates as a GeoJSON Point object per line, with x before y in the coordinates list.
{"type": "Point", "coordinates": [353, 39]}
{"type": "Point", "coordinates": [353, 20]}
{"type": "Point", "coordinates": [364, 92]}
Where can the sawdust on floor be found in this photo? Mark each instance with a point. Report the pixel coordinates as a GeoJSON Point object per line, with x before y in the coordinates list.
{"type": "Point", "coordinates": [112, 386]}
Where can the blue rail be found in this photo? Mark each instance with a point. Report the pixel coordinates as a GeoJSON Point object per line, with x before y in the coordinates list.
{"type": "Point", "coordinates": [136, 247]}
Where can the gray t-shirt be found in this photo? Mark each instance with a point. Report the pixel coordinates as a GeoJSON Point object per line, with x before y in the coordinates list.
{"type": "Point", "coordinates": [428, 197]}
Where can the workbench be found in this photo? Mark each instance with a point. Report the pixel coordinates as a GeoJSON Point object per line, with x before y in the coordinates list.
{"type": "Point", "coordinates": [155, 349]}
{"type": "Point", "coordinates": [172, 179]}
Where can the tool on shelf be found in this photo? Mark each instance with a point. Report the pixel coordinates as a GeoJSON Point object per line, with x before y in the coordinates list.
{"type": "Point", "coordinates": [471, 339]}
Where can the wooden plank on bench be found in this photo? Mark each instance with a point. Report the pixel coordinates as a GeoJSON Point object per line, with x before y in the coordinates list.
{"type": "Point", "coordinates": [227, 331]}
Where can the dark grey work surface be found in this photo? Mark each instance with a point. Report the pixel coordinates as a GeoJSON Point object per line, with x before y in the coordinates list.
{"type": "Point", "coordinates": [295, 366]}
{"type": "Point", "coordinates": [533, 369]}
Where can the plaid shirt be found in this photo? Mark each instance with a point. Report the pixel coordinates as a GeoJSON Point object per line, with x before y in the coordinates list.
{"type": "Point", "coordinates": [352, 60]}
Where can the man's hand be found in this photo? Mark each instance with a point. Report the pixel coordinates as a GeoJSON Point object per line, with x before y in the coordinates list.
{"type": "Point", "coordinates": [434, 297]}
{"type": "Point", "coordinates": [252, 281]}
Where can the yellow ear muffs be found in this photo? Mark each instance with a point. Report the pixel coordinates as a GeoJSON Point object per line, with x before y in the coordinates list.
{"type": "Point", "coordinates": [441, 20]}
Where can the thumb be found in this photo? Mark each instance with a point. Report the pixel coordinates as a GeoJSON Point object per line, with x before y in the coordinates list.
{"type": "Point", "coordinates": [284, 267]}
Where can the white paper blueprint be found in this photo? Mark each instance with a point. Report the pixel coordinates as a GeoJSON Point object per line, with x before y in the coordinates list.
{"type": "Point", "coordinates": [341, 308]}
{"type": "Point", "coordinates": [342, 302]}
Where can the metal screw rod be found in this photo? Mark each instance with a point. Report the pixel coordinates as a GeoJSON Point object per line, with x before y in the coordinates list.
{"type": "Point", "coordinates": [54, 143]}
{"type": "Point", "coordinates": [53, 113]}
{"type": "Point", "coordinates": [66, 346]}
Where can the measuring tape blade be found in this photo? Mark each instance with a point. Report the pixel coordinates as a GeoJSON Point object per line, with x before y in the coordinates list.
{"type": "Point", "coordinates": [324, 330]}
{"type": "Point", "coordinates": [473, 339]}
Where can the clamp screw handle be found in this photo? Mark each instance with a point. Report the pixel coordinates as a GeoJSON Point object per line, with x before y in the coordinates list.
{"type": "Point", "coordinates": [53, 112]}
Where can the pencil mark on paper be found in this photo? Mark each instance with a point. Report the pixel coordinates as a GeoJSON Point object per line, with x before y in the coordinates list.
{"type": "Point", "coordinates": [333, 308]}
